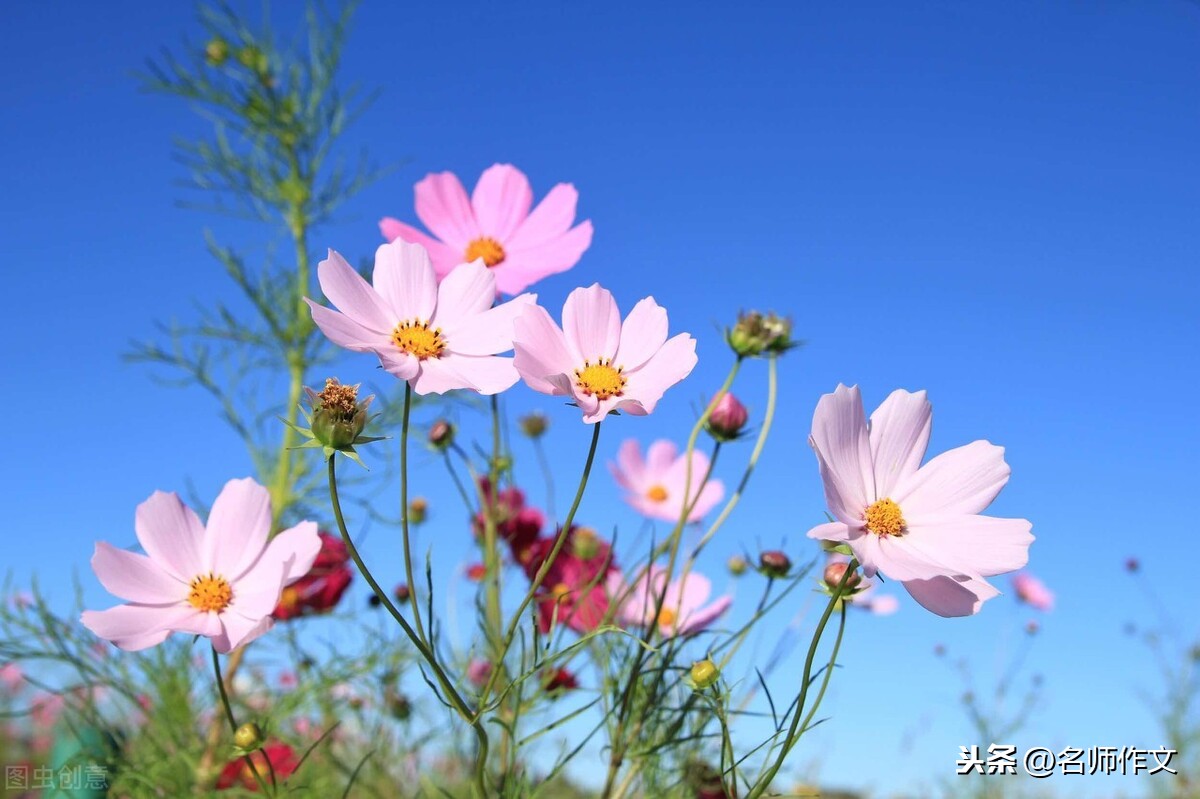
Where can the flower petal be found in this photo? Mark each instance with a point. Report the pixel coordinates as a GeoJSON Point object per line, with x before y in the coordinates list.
{"type": "Point", "coordinates": [591, 324]}
{"type": "Point", "coordinates": [540, 351]}
{"type": "Point", "coordinates": [171, 534]}
{"type": "Point", "coordinates": [672, 363]}
{"type": "Point", "coordinates": [405, 278]}
{"type": "Point", "coordinates": [467, 291]}
{"type": "Point", "coordinates": [963, 480]}
{"type": "Point", "coordinates": [501, 200]}
{"type": "Point", "coordinates": [398, 363]}
{"type": "Point", "coordinates": [629, 470]}
{"type": "Point", "coordinates": [549, 221]}
{"type": "Point", "coordinates": [238, 526]}
{"type": "Point", "coordinates": [523, 268]}
{"type": "Point", "coordinates": [702, 618]}
{"type": "Point", "coordinates": [839, 436]}
{"type": "Point", "coordinates": [442, 206]}
{"type": "Point", "coordinates": [490, 332]}
{"type": "Point", "coordinates": [660, 456]}
{"type": "Point", "coordinates": [136, 578]}
{"type": "Point", "coordinates": [354, 296]}
{"type": "Point", "coordinates": [237, 630]}
{"type": "Point", "coordinates": [830, 531]}
{"type": "Point", "coordinates": [134, 627]}
{"type": "Point", "coordinates": [642, 335]}
{"type": "Point", "coordinates": [899, 435]}
{"type": "Point", "coordinates": [444, 257]}
{"type": "Point", "coordinates": [439, 375]}
{"type": "Point", "coordinates": [344, 331]}
{"type": "Point", "coordinates": [488, 374]}
{"type": "Point", "coordinates": [982, 545]}
{"type": "Point", "coordinates": [951, 596]}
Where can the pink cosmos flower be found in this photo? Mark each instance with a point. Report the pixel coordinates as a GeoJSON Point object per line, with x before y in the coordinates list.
{"type": "Point", "coordinates": [11, 677]}
{"type": "Point", "coordinates": [1033, 592]}
{"type": "Point", "coordinates": [600, 362]}
{"type": "Point", "coordinates": [683, 610]}
{"type": "Point", "coordinates": [221, 581]}
{"type": "Point", "coordinates": [436, 337]}
{"type": "Point", "coordinates": [496, 225]}
{"type": "Point", "coordinates": [479, 671]}
{"type": "Point", "coordinates": [656, 485]}
{"type": "Point", "coordinates": [916, 524]}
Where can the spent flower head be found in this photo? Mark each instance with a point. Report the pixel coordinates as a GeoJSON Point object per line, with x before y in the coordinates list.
{"type": "Point", "coordinates": [756, 334]}
{"type": "Point", "coordinates": [337, 420]}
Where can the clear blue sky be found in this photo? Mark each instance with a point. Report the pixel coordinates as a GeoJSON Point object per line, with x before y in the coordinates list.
{"type": "Point", "coordinates": [995, 202]}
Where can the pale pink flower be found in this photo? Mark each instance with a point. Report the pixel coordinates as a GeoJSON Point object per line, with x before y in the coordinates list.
{"type": "Point", "coordinates": [1033, 592]}
{"type": "Point", "coordinates": [496, 225]}
{"type": "Point", "coordinates": [436, 337]}
{"type": "Point", "coordinates": [11, 677]}
{"type": "Point", "coordinates": [683, 608]}
{"type": "Point", "coordinates": [598, 361]}
{"type": "Point", "coordinates": [221, 581]}
{"type": "Point", "coordinates": [916, 524]}
{"type": "Point", "coordinates": [656, 485]}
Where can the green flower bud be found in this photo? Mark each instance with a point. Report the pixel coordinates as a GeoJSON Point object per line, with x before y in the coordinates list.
{"type": "Point", "coordinates": [737, 565]}
{"type": "Point", "coordinates": [704, 674]}
{"type": "Point", "coordinates": [337, 419]}
{"type": "Point", "coordinates": [248, 737]}
{"type": "Point", "coordinates": [418, 509]}
{"type": "Point", "coordinates": [755, 334]}
{"type": "Point", "coordinates": [216, 52]}
{"type": "Point", "coordinates": [534, 424]}
{"type": "Point", "coordinates": [585, 544]}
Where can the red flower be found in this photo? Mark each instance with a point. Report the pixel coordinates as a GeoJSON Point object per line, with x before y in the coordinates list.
{"type": "Point", "coordinates": [322, 587]}
{"type": "Point", "coordinates": [515, 523]}
{"type": "Point", "coordinates": [237, 772]}
{"type": "Point", "coordinates": [559, 680]}
{"type": "Point", "coordinates": [476, 572]}
{"type": "Point", "coordinates": [573, 592]}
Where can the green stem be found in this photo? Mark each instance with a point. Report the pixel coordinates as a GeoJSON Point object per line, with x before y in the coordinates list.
{"type": "Point", "coordinates": [413, 602]}
{"type": "Point", "coordinates": [835, 600]}
{"type": "Point", "coordinates": [452, 695]}
{"type": "Point", "coordinates": [233, 725]}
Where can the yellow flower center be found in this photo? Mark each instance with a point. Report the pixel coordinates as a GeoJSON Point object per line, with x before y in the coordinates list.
{"type": "Point", "coordinates": [601, 379]}
{"type": "Point", "coordinates": [667, 617]}
{"type": "Point", "coordinates": [560, 591]}
{"type": "Point", "coordinates": [419, 340]}
{"type": "Point", "coordinates": [656, 494]}
{"type": "Point", "coordinates": [289, 599]}
{"type": "Point", "coordinates": [486, 248]}
{"type": "Point", "coordinates": [210, 593]}
{"type": "Point", "coordinates": [884, 518]}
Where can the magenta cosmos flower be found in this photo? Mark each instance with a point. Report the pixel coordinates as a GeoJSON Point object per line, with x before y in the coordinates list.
{"type": "Point", "coordinates": [436, 337]}
{"type": "Point", "coordinates": [683, 609]}
{"type": "Point", "coordinates": [1033, 592]}
{"type": "Point", "coordinates": [656, 485]}
{"type": "Point", "coordinates": [916, 524]}
{"type": "Point", "coordinates": [519, 246]}
{"type": "Point", "coordinates": [603, 364]}
{"type": "Point", "coordinates": [221, 580]}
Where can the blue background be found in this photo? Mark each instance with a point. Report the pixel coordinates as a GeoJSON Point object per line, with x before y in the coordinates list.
{"type": "Point", "coordinates": [994, 202]}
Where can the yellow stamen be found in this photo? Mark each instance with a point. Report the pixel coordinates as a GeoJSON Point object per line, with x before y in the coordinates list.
{"type": "Point", "coordinates": [560, 591]}
{"type": "Point", "coordinates": [666, 618]}
{"type": "Point", "coordinates": [601, 379]}
{"type": "Point", "coordinates": [884, 518]}
{"type": "Point", "coordinates": [210, 593]}
{"type": "Point", "coordinates": [656, 494]}
{"type": "Point", "coordinates": [289, 599]}
{"type": "Point", "coordinates": [486, 248]}
{"type": "Point", "coordinates": [419, 340]}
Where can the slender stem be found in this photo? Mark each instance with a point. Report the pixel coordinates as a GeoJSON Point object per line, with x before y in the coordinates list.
{"type": "Point", "coordinates": [493, 620]}
{"type": "Point", "coordinates": [233, 725]}
{"type": "Point", "coordinates": [835, 600]}
{"type": "Point", "coordinates": [452, 694]}
{"type": "Point", "coordinates": [413, 602]}
{"type": "Point", "coordinates": [547, 473]}
{"type": "Point", "coordinates": [540, 576]}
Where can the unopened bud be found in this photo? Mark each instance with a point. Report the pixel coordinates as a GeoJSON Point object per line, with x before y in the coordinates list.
{"type": "Point", "coordinates": [755, 334]}
{"type": "Point", "coordinates": [402, 592]}
{"type": "Point", "coordinates": [418, 509]}
{"type": "Point", "coordinates": [727, 419]}
{"type": "Point", "coordinates": [476, 572]}
{"type": "Point", "coordinates": [835, 572]}
{"type": "Point", "coordinates": [399, 705]}
{"type": "Point", "coordinates": [216, 51]}
{"type": "Point", "coordinates": [737, 565]}
{"type": "Point", "coordinates": [441, 434]}
{"type": "Point", "coordinates": [248, 737]}
{"type": "Point", "coordinates": [774, 564]}
{"type": "Point", "coordinates": [1132, 565]}
{"type": "Point", "coordinates": [585, 544]}
{"type": "Point", "coordinates": [704, 674]}
{"type": "Point", "coordinates": [534, 424]}
{"type": "Point", "coordinates": [1032, 627]}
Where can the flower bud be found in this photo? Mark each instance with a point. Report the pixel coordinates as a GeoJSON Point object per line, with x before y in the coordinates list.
{"type": "Point", "coordinates": [834, 573]}
{"type": "Point", "coordinates": [441, 435]}
{"type": "Point", "coordinates": [737, 565]}
{"type": "Point", "coordinates": [1132, 565]}
{"type": "Point", "coordinates": [418, 509]}
{"type": "Point", "coordinates": [755, 334]}
{"type": "Point", "coordinates": [374, 601]}
{"type": "Point", "coordinates": [337, 419]}
{"type": "Point", "coordinates": [704, 674]}
{"type": "Point", "coordinates": [216, 51]}
{"type": "Point", "coordinates": [727, 419]}
{"type": "Point", "coordinates": [248, 737]}
{"type": "Point", "coordinates": [399, 705]}
{"type": "Point", "coordinates": [254, 59]}
{"type": "Point", "coordinates": [774, 564]}
{"type": "Point", "coordinates": [476, 572]}
{"type": "Point", "coordinates": [1032, 627]}
{"type": "Point", "coordinates": [585, 544]}
{"type": "Point", "coordinates": [401, 592]}
{"type": "Point", "coordinates": [534, 424]}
